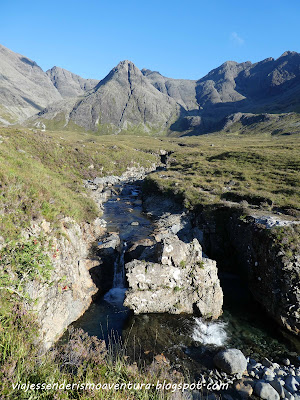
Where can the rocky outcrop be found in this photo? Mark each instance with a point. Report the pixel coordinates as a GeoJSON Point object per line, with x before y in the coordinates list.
{"type": "Point", "coordinates": [69, 292]}
{"type": "Point", "coordinates": [265, 249]}
{"type": "Point", "coordinates": [181, 281]}
{"type": "Point", "coordinates": [261, 246]}
{"type": "Point", "coordinates": [273, 271]}
{"type": "Point", "coordinates": [107, 251]}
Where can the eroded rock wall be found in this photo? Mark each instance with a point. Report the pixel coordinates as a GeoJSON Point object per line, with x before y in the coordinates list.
{"type": "Point", "coordinates": [250, 245]}
{"type": "Point", "coordinates": [68, 293]}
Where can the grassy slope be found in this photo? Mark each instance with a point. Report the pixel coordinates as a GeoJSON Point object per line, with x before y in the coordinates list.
{"type": "Point", "coordinates": [41, 175]}
{"type": "Point", "coordinates": [209, 169]}
{"type": "Point", "coordinates": [277, 125]}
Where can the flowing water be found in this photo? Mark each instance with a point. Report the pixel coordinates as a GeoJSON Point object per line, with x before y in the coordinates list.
{"type": "Point", "coordinates": [187, 341]}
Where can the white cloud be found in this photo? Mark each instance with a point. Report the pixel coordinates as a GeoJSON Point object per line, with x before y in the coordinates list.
{"type": "Point", "coordinates": [236, 39]}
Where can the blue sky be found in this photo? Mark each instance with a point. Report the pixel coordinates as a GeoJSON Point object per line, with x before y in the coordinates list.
{"type": "Point", "coordinates": [179, 39]}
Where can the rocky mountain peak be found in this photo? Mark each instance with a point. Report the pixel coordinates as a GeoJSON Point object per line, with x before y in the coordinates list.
{"type": "Point", "coordinates": [125, 67]}
{"type": "Point", "coordinates": [289, 54]}
{"type": "Point", "coordinates": [147, 72]}
{"type": "Point", "coordinates": [69, 84]}
{"type": "Point", "coordinates": [131, 99]}
{"type": "Point", "coordinates": [125, 64]}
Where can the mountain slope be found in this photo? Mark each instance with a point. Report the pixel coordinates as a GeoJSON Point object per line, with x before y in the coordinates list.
{"type": "Point", "coordinates": [130, 100]}
{"type": "Point", "coordinates": [181, 90]}
{"type": "Point", "coordinates": [268, 86]}
{"type": "Point", "coordinates": [69, 84]}
{"type": "Point", "coordinates": [123, 100]}
{"type": "Point", "coordinates": [25, 89]}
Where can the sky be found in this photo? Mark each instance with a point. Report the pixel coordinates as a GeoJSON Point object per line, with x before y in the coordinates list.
{"type": "Point", "coordinates": [179, 39]}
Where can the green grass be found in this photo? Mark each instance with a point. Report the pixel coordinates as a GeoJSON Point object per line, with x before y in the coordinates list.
{"type": "Point", "coordinates": [41, 176]}
{"type": "Point", "coordinates": [81, 360]}
{"type": "Point", "coordinates": [208, 170]}
{"type": "Point", "coordinates": [275, 125]}
{"type": "Point", "coordinates": [42, 173]}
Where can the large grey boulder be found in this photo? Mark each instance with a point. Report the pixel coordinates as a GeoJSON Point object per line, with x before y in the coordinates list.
{"type": "Point", "coordinates": [183, 281]}
{"type": "Point", "coordinates": [266, 391]}
{"type": "Point", "coordinates": [172, 251]}
{"type": "Point", "coordinates": [231, 361]}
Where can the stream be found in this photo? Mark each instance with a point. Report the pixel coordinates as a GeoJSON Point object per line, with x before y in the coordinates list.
{"type": "Point", "coordinates": [188, 342]}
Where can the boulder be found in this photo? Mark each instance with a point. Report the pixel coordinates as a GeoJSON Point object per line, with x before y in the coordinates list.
{"type": "Point", "coordinates": [266, 391]}
{"type": "Point", "coordinates": [277, 385]}
{"type": "Point", "coordinates": [183, 281]}
{"type": "Point", "coordinates": [244, 388]}
{"type": "Point", "coordinates": [172, 251]}
{"type": "Point", "coordinates": [231, 361]}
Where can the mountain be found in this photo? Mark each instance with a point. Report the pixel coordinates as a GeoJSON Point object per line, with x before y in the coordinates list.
{"type": "Point", "coordinates": [25, 88]}
{"type": "Point", "coordinates": [130, 100]}
{"type": "Point", "coordinates": [69, 84]}
{"type": "Point", "coordinates": [181, 90]}
{"type": "Point", "coordinates": [268, 86]}
{"type": "Point", "coordinates": [124, 100]}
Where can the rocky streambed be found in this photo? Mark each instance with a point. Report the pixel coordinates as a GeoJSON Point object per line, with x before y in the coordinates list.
{"type": "Point", "coordinates": [151, 257]}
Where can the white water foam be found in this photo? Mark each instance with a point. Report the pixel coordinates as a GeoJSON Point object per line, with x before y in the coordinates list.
{"type": "Point", "coordinates": [209, 332]}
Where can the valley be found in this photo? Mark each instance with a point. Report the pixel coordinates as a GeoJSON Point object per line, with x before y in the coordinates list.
{"type": "Point", "coordinates": [148, 225]}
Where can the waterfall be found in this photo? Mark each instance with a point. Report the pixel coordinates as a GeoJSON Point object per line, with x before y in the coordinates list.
{"type": "Point", "coordinates": [209, 332]}
{"type": "Point", "coordinates": [116, 294]}
{"type": "Point", "coordinates": [119, 270]}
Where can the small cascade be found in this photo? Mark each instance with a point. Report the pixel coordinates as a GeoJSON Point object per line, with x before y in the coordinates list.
{"type": "Point", "coordinates": [116, 294]}
{"type": "Point", "coordinates": [119, 270]}
{"type": "Point", "coordinates": [212, 333]}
